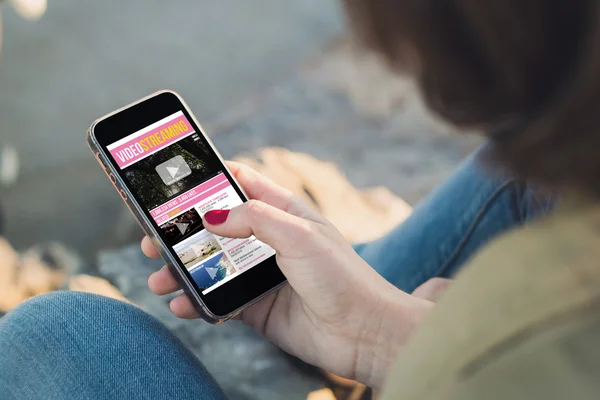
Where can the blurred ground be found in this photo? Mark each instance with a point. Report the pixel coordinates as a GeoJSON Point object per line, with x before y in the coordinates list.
{"type": "Point", "coordinates": [84, 59]}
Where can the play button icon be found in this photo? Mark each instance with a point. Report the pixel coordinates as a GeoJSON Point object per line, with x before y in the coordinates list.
{"type": "Point", "coordinates": [182, 227]}
{"type": "Point", "coordinates": [212, 272]}
{"type": "Point", "coordinates": [173, 170]}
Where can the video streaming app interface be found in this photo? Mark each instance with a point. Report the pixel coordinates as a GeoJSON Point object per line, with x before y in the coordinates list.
{"type": "Point", "coordinates": [177, 177]}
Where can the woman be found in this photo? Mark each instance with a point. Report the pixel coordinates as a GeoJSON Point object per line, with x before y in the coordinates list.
{"type": "Point", "coordinates": [522, 319]}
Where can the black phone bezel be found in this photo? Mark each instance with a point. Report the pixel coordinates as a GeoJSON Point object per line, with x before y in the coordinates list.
{"type": "Point", "coordinates": [240, 290]}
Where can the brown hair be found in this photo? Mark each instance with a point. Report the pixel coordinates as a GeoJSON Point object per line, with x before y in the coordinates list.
{"type": "Point", "coordinates": [526, 72]}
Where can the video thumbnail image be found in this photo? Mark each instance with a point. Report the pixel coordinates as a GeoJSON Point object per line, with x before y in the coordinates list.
{"type": "Point", "coordinates": [212, 271]}
{"type": "Point", "coordinates": [182, 226]}
{"type": "Point", "coordinates": [197, 248]}
{"type": "Point", "coordinates": [170, 171]}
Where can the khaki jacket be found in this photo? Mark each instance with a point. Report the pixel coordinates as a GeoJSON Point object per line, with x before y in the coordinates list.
{"type": "Point", "coordinates": [522, 320]}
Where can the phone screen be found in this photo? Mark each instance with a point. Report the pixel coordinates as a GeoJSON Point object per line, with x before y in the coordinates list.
{"type": "Point", "coordinates": [172, 175]}
{"type": "Point", "coordinates": [176, 176]}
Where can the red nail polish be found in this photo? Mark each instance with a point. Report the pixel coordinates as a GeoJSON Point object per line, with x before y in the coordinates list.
{"type": "Point", "coordinates": [216, 217]}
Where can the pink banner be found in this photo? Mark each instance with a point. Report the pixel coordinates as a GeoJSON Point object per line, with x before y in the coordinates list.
{"type": "Point", "coordinates": [190, 198]}
{"type": "Point", "coordinates": [155, 139]}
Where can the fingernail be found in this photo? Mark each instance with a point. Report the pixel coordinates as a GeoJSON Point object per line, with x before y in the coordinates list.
{"type": "Point", "coordinates": [216, 217]}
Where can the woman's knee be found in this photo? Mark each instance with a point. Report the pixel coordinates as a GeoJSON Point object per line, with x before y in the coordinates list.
{"type": "Point", "coordinates": [55, 323]}
{"type": "Point", "coordinates": [69, 342]}
{"type": "Point", "coordinates": [63, 311]}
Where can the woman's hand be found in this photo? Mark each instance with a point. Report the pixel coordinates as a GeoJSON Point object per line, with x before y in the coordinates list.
{"type": "Point", "coordinates": [336, 313]}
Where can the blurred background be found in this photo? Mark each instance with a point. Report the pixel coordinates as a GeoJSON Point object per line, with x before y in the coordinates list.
{"type": "Point", "coordinates": [257, 74]}
{"type": "Point", "coordinates": [81, 60]}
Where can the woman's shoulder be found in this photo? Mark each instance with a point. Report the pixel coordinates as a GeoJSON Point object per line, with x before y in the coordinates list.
{"type": "Point", "coordinates": [527, 284]}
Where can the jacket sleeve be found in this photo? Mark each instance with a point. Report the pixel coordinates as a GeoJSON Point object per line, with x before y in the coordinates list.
{"type": "Point", "coordinates": [561, 360]}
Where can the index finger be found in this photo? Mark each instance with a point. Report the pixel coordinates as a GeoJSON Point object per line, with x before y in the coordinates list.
{"type": "Point", "coordinates": [259, 187]}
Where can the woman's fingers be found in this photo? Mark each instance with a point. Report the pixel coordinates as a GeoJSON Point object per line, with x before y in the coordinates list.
{"type": "Point", "coordinates": [148, 248]}
{"type": "Point", "coordinates": [259, 187]}
{"type": "Point", "coordinates": [282, 231]}
{"type": "Point", "coordinates": [162, 282]}
{"type": "Point", "coordinates": [182, 307]}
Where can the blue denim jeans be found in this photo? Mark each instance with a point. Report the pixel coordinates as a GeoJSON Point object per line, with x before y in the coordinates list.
{"type": "Point", "coordinates": [82, 346]}
{"type": "Point", "coordinates": [452, 223]}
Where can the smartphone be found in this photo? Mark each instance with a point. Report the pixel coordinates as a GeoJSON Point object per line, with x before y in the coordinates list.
{"type": "Point", "coordinates": [169, 174]}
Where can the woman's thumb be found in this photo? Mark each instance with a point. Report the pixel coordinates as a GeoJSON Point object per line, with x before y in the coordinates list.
{"type": "Point", "coordinates": [270, 225]}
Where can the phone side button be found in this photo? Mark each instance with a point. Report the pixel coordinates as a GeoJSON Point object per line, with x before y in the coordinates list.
{"type": "Point", "coordinates": [123, 194]}
{"type": "Point", "coordinates": [100, 161]}
{"type": "Point", "coordinates": [112, 178]}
